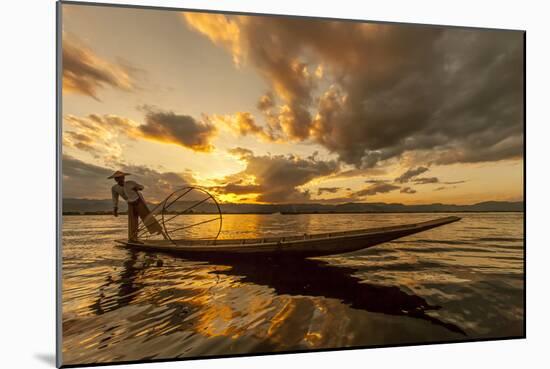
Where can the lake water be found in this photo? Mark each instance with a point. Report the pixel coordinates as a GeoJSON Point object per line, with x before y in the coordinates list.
{"type": "Point", "coordinates": [461, 281]}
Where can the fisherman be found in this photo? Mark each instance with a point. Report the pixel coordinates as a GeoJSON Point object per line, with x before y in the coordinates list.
{"type": "Point", "coordinates": [130, 191]}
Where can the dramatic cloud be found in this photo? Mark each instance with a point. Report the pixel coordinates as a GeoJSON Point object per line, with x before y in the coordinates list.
{"type": "Point", "coordinates": [455, 95]}
{"type": "Point", "coordinates": [241, 152]}
{"type": "Point", "coordinates": [409, 174]}
{"type": "Point", "coordinates": [157, 184]}
{"type": "Point", "coordinates": [243, 124]}
{"type": "Point", "coordinates": [323, 190]}
{"type": "Point", "coordinates": [85, 73]}
{"type": "Point", "coordinates": [179, 129]}
{"type": "Point", "coordinates": [408, 190]}
{"type": "Point", "coordinates": [266, 102]}
{"type": "Point", "coordinates": [100, 134]}
{"type": "Point", "coordinates": [375, 189]}
{"type": "Point", "coordinates": [426, 180]}
{"type": "Point", "coordinates": [85, 180]}
{"type": "Point", "coordinates": [363, 172]}
{"type": "Point", "coordinates": [80, 141]}
{"type": "Point", "coordinates": [237, 188]}
{"type": "Point", "coordinates": [275, 178]}
{"type": "Point", "coordinates": [377, 181]}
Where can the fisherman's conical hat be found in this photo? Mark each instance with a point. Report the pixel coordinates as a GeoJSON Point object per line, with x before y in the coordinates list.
{"type": "Point", "coordinates": [118, 173]}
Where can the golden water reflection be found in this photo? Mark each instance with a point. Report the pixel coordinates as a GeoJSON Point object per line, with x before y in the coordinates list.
{"type": "Point", "coordinates": [461, 281]}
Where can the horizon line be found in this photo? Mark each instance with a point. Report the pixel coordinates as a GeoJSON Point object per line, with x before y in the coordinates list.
{"type": "Point", "coordinates": [324, 203]}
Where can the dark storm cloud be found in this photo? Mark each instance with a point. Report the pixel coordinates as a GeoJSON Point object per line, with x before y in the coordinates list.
{"type": "Point", "coordinates": [453, 93]}
{"type": "Point", "coordinates": [276, 178]}
{"type": "Point", "coordinates": [85, 73]}
{"type": "Point", "coordinates": [408, 190]}
{"type": "Point", "coordinates": [85, 180]}
{"type": "Point", "coordinates": [179, 129]}
{"type": "Point", "coordinates": [410, 173]}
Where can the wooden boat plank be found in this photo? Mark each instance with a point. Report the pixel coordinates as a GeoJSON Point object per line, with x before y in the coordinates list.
{"type": "Point", "coordinates": [320, 244]}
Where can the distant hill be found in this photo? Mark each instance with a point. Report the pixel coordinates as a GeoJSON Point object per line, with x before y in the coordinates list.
{"type": "Point", "coordinates": [83, 206]}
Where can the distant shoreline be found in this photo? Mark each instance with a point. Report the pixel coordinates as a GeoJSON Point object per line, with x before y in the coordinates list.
{"type": "Point", "coordinates": [99, 207]}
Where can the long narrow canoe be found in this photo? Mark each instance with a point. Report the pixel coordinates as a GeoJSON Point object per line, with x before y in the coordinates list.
{"type": "Point", "coordinates": [307, 245]}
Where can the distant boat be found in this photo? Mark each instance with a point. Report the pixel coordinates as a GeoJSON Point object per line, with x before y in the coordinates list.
{"type": "Point", "coordinates": [299, 246]}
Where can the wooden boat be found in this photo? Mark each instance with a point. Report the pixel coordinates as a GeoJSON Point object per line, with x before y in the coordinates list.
{"type": "Point", "coordinates": [307, 245]}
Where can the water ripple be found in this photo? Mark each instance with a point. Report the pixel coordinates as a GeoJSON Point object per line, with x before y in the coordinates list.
{"type": "Point", "coordinates": [463, 280]}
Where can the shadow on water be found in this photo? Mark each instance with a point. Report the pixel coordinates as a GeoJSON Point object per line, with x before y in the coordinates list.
{"type": "Point", "coordinates": [128, 286]}
{"type": "Point", "coordinates": [309, 277]}
{"type": "Point", "coordinates": [295, 277]}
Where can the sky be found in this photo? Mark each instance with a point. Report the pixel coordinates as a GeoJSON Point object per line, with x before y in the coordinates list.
{"type": "Point", "coordinates": [290, 110]}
